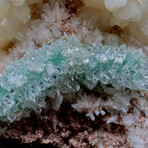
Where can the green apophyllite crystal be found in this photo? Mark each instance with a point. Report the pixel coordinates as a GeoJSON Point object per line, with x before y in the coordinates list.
{"type": "Point", "coordinates": [62, 67]}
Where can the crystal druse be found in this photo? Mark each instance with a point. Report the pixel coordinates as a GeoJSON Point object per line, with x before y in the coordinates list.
{"type": "Point", "coordinates": [64, 67]}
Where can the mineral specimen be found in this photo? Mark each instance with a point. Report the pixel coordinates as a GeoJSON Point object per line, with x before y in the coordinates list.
{"type": "Point", "coordinates": [81, 66]}
{"type": "Point", "coordinates": [63, 67]}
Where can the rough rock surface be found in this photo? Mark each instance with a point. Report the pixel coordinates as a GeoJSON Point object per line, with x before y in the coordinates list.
{"type": "Point", "coordinates": [67, 128]}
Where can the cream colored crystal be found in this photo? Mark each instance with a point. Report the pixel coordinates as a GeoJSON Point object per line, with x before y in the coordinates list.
{"type": "Point", "coordinates": [22, 13]}
{"type": "Point", "coordinates": [143, 25]}
{"type": "Point", "coordinates": [14, 14]}
{"type": "Point", "coordinates": [130, 15]}
{"type": "Point", "coordinates": [4, 6]}
{"type": "Point", "coordinates": [11, 24]}
{"type": "Point", "coordinates": [129, 12]}
{"type": "Point", "coordinates": [113, 5]}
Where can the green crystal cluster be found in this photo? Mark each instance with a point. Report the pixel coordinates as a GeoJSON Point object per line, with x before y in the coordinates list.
{"type": "Point", "coordinates": [63, 67]}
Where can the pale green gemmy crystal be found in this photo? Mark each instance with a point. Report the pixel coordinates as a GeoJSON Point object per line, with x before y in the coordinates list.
{"type": "Point", "coordinates": [63, 67]}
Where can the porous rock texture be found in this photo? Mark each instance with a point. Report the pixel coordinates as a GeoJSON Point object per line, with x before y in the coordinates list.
{"type": "Point", "coordinates": [68, 128]}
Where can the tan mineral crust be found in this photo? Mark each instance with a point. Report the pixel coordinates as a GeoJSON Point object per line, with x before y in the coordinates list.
{"type": "Point", "coordinates": [111, 122]}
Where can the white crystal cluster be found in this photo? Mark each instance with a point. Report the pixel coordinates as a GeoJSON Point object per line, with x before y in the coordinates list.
{"type": "Point", "coordinates": [14, 14]}
{"type": "Point", "coordinates": [118, 105]}
{"type": "Point", "coordinates": [55, 22]}
{"type": "Point", "coordinates": [130, 15]}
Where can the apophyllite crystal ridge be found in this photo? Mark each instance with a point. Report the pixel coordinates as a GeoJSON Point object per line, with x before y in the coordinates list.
{"type": "Point", "coordinates": [64, 66]}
